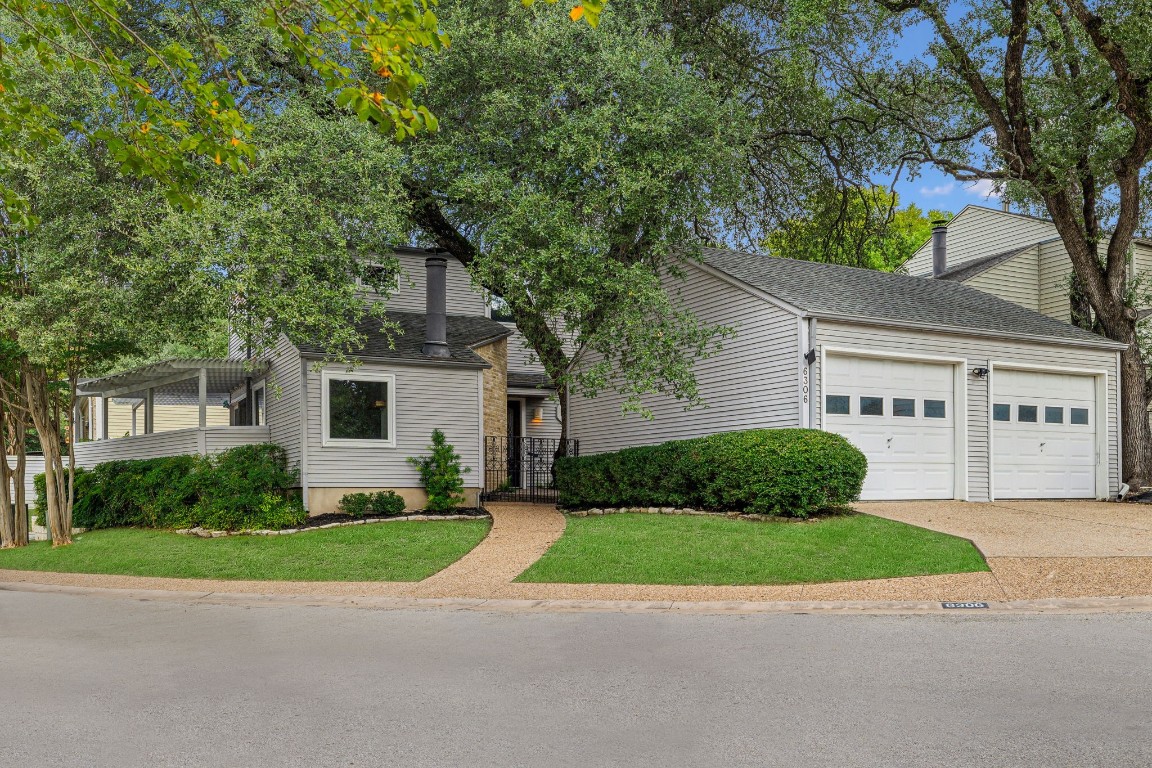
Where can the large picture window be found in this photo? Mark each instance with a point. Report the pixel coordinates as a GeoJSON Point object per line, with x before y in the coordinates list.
{"type": "Point", "coordinates": [359, 409]}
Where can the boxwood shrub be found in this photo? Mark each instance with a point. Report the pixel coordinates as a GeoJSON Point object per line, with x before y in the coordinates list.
{"type": "Point", "coordinates": [244, 488]}
{"type": "Point", "coordinates": [788, 472]}
{"type": "Point", "coordinates": [379, 504]}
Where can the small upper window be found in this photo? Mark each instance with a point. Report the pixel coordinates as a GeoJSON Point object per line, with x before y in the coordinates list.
{"type": "Point", "coordinates": [1026, 413]}
{"type": "Point", "coordinates": [1053, 414]}
{"type": "Point", "coordinates": [837, 404]}
{"type": "Point", "coordinates": [935, 409]}
{"type": "Point", "coordinates": [1078, 415]}
{"type": "Point", "coordinates": [1001, 412]}
{"type": "Point", "coordinates": [871, 406]}
{"type": "Point", "coordinates": [903, 406]}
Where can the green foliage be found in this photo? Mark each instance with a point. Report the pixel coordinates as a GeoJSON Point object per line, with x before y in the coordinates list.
{"type": "Point", "coordinates": [442, 475]}
{"type": "Point", "coordinates": [242, 488]}
{"type": "Point", "coordinates": [379, 504]}
{"type": "Point", "coordinates": [576, 163]}
{"type": "Point", "coordinates": [855, 227]}
{"type": "Point", "coordinates": [787, 472]}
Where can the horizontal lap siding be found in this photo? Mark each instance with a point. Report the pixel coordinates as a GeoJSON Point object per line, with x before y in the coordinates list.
{"type": "Point", "coordinates": [427, 398]}
{"type": "Point", "coordinates": [151, 446]}
{"type": "Point", "coordinates": [549, 427]}
{"type": "Point", "coordinates": [463, 298]}
{"type": "Point", "coordinates": [217, 440]}
{"type": "Point", "coordinates": [978, 232]}
{"type": "Point", "coordinates": [1055, 281]}
{"type": "Point", "coordinates": [282, 399]}
{"type": "Point", "coordinates": [977, 352]}
{"type": "Point", "coordinates": [1016, 280]}
{"type": "Point", "coordinates": [752, 382]}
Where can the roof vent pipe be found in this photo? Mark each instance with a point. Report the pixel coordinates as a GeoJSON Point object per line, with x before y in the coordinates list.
{"type": "Point", "coordinates": [939, 247]}
{"type": "Point", "coordinates": [435, 307]}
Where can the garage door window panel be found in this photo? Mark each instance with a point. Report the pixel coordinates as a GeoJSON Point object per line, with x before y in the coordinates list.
{"type": "Point", "coordinates": [1053, 415]}
{"type": "Point", "coordinates": [935, 409]}
{"type": "Point", "coordinates": [1001, 412]}
{"type": "Point", "coordinates": [838, 405]}
{"type": "Point", "coordinates": [903, 406]}
{"type": "Point", "coordinates": [1026, 414]}
{"type": "Point", "coordinates": [1078, 416]}
{"type": "Point", "coordinates": [871, 406]}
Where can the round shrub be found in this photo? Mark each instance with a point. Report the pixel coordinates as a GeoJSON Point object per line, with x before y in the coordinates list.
{"type": "Point", "coordinates": [379, 504]}
{"type": "Point", "coordinates": [787, 472]}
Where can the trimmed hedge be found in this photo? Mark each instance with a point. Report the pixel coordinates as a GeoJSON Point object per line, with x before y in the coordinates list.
{"type": "Point", "coordinates": [788, 472]}
{"type": "Point", "coordinates": [244, 488]}
{"type": "Point", "coordinates": [379, 504]}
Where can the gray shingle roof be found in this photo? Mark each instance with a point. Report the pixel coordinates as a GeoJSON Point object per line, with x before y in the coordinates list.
{"type": "Point", "coordinates": [464, 332]}
{"type": "Point", "coordinates": [522, 380]}
{"type": "Point", "coordinates": [831, 290]}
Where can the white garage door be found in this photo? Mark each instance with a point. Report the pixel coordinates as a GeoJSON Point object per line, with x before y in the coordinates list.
{"type": "Point", "coordinates": [900, 414]}
{"type": "Point", "coordinates": [1043, 435]}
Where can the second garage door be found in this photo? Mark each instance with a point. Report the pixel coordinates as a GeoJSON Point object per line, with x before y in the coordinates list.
{"type": "Point", "coordinates": [1043, 435]}
{"type": "Point", "coordinates": [900, 414]}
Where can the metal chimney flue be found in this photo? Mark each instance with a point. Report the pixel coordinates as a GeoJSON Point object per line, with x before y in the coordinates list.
{"type": "Point", "coordinates": [435, 307]}
{"type": "Point", "coordinates": [939, 247]}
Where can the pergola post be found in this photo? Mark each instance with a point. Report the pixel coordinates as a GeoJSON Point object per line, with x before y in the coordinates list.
{"type": "Point", "coordinates": [104, 402]}
{"type": "Point", "coordinates": [135, 409]}
{"type": "Point", "coordinates": [150, 411]}
{"type": "Point", "coordinates": [203, 398]}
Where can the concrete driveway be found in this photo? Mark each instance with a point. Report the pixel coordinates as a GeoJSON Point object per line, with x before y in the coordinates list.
{"type": "Point", "coordinates": [1033, 528]}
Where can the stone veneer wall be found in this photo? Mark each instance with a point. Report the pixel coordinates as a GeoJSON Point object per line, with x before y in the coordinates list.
{"type": "Point", "coordinates": [495, 392]}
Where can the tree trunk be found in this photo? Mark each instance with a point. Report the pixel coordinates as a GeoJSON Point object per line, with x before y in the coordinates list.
{"type": "Point", "coordinates": [44, 410]}
{"type": "Point", "coordinates": [1135, 433]}
{"type": "Point", "coordinates": [20, 500]}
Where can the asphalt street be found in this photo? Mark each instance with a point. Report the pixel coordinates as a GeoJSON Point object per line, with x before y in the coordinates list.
{"type": "Point", "coordinates": [89, 681]}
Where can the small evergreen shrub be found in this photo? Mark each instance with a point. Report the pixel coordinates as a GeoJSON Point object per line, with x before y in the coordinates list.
{"type": "Point", "coordinates": [787, 472]}
{"type": "Point", "coordinates": [379, 504]}
{"type": "Point", "coordinates": [243, 488]}
{"type": "Point", "coordinates": [442, 475]}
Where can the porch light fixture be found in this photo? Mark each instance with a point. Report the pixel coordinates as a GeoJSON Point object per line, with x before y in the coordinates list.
{"type": "Point", "coordinates": [538, 415]}
{"type": "Point", "coordinates": [980, 373]}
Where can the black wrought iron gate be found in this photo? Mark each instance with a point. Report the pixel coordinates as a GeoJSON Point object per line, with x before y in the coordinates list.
{"type": "Point", "coordinates": [520, 468]}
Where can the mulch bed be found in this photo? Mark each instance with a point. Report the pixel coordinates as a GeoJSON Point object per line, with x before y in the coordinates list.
{"type": "Point", "coordinates": [317, 521]}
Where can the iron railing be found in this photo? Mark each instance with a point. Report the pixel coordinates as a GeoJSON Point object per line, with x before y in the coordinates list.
{"type": "Point", "coordinates": [520, 468]}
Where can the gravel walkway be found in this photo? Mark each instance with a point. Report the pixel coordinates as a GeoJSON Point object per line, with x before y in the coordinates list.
{"type": "Point", "coordinates": [521, 533]}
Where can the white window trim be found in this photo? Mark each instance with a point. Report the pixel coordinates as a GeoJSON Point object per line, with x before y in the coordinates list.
{"type": "Point", "coordinates": [388, 378]}
{"type": "Point", "coordinates": [261, 388]}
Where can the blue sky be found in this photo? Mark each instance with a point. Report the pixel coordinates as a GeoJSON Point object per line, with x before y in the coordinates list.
{"type": "Point", "coordinates": [934, 190]}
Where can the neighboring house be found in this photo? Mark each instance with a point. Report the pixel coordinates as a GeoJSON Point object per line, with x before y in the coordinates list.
{"type": "Point", "coordinates": [950, 392]}
{"type": "Point", "coordinates": [1015, 257]}
{"type": "Point", "coordinates": [347, 429]}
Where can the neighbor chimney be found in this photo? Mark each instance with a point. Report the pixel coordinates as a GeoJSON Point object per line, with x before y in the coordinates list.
{"type": "Point", "coordinates": [435, 308]}
{"type": "Point", "coordinates": [939, 247]}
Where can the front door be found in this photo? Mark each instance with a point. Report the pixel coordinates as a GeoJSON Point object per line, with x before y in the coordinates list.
{"type": "Point", "coordinates": [515, 441]}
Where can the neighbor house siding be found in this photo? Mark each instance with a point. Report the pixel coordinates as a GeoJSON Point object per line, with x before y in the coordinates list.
{"type": "Point", "coordinates": [977, 352]}
{"type": "Point", "coordinates": [1016, 280]}
{"type": "Point", "coordinates": [521, 357]}
{"type": "Point", "coordinates": [976, 232]}
{"type": "Point", "coordinates": [463, 298]}
{"type": "Point", "coordinates": [166, 418]}
{"type": "Point", "coordinates": [427, 397]}
{"type": "Point", "coordinates": [753, 381]}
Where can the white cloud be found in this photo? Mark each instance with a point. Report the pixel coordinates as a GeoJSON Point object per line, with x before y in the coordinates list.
{"type": "Point", "coordinates": [939, 189]}
{"type": "Point", "coordinates": [982, 188]}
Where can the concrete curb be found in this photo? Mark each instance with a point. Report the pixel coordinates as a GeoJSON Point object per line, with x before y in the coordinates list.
{"type": "Point", "coordinates": [856, 607]}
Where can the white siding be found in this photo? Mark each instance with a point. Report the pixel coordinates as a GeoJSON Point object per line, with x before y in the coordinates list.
{"type": "Point", "coordinates": [1055, 270]}
{"type": "Point", "coordinates": [282, 397]}
{"type": "Point", "coordinates": [976, 232]}
{"type": "Point", "coordinates": [549, 426]}
{"type": "Point", "coordinates": [427, 397]}
{"type": "Point", "coordinates": [175, 443]}
{"type": "Point", "coordinates": [1142, 265]}
{"type": "Point", "coordinates": [1016, 280]}
{"type": "Point", "coordinates": [463, 298]}
{"type": "Point", "coordinates": [521, 357]}
{"type": "Point", "coordinates": [753, 381]}
{"type": "Point", "coordinates": [977, 353]}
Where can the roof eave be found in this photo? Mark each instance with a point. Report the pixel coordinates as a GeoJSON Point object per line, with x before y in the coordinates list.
{"type": "Point", "coordinates": [883, 323]}
{"type": "Point", "coordinates": [400, 361]}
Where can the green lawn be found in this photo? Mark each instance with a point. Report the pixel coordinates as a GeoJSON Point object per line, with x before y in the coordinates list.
{"type": "Point", "coordinates": [400, 551]}
{"type": "Point", "coordinates": [660, 549]}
